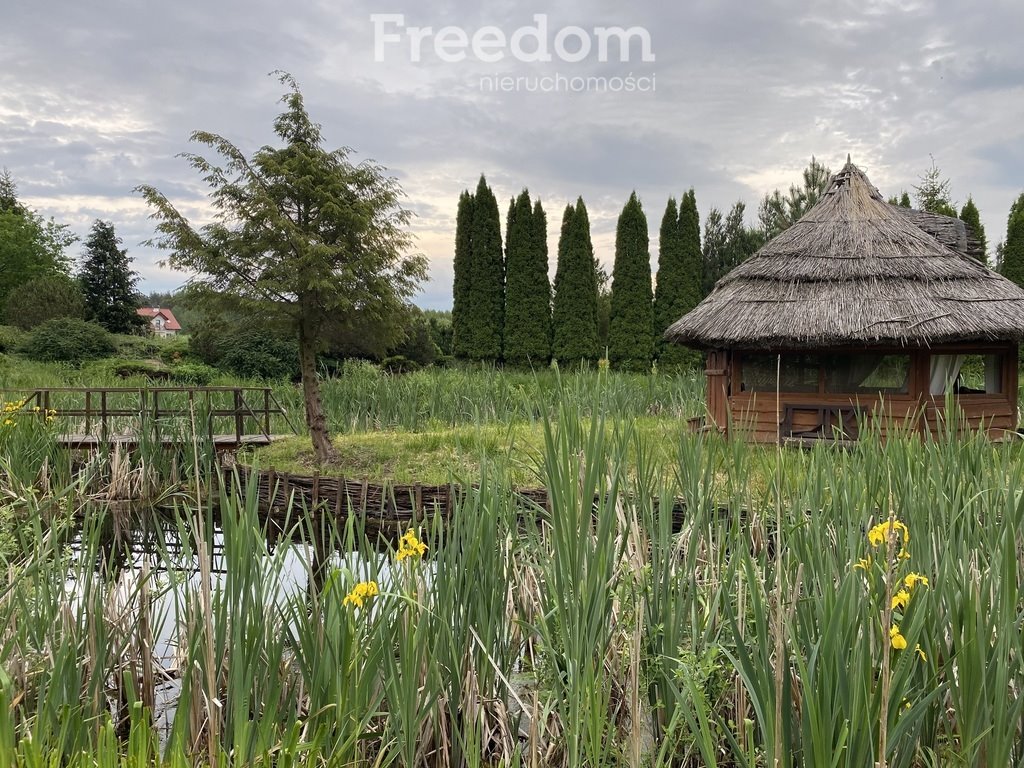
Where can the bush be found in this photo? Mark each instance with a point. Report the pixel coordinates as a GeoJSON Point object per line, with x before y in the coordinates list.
{"type": "Point", "coordinates": [256, 354]}
{"type": "Point", "coordinates": [42, 299]}
{"type": "Point", "coordinates": [175, 351]}
{"type": "Point", "coordinates": [138, 347]}
{"type": "Point", "coordinates": [193, 374]}
{"type": "Point", "coordinates": [399, 364]}
{"type": "Point", "coordinates": [10, 338]}
{"type": "Point", "coordinates": [69, 340]}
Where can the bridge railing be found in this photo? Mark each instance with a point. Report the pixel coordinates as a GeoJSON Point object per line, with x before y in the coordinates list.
{"type": "Point", "coordinates": [109, 412]}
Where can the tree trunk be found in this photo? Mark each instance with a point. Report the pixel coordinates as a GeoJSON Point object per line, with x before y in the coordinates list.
{"type": "Point", "coordinates": [316, 421]}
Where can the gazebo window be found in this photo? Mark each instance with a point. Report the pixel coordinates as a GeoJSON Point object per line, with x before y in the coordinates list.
{"type": "Point", "coordinates": [798, 373]}
{"type": "Point", "coordinates": [968, 374]}
{"type": "Point", "coordinates": [867, 373]}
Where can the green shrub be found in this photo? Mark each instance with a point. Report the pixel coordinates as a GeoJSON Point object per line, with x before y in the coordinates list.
{"type": "Point", "coordinates": [69, 340]}
{"type": "Point", "coordinates": [137, 347]}
{"type": "Point", "coordinates": [256, 354]}
{"type": "Point", "coordinates": [42, 299]}
{"type": "Point", "coordinates": [175, 350]}
{"type": "Point", "coordinates": [399, 364]}
{"type": "Point", "coordinates": [10, 338]}
{"type": "Point", "coordinates": [194, 374]}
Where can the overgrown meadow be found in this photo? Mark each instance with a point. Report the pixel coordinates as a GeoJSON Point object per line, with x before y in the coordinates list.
{"type": "Point", "coordinates": [819, 608]}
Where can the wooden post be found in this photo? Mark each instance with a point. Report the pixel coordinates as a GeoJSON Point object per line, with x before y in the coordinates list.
{"type": "Point", "coordinates": [266, 411]}
{"type": "Point", "coordinates": [88, 411]}
{"type": "Point", "coordinates": [239, 426]}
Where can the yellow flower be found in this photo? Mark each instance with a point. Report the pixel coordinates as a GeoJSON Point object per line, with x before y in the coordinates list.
{"type": "Point", "coordinates": [880, 533]}
{"type": "Point", "coordinates": [361, 592]}
{"type": "Point", "coordinates": [900, 600]}
{"type": "Point", "coordinates": [409, 546]}
{"type": "Point", "coordinates": [913, 579]}
{"type": "Point", "coordinates": [864, 563]}
{"type": "Point", "coordinates": [920, 653]}
{"type": "Point", "coordinates": [899, 642]}
{"type": "Point", "coordinates": [8, 422]}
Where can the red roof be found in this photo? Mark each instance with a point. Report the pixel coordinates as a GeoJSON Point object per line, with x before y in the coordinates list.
{"type": "Point", "coordinates": [170, 322]}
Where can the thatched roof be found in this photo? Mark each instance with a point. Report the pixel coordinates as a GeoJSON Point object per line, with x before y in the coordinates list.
{"type": "Point", "coordinates": [856, 270]}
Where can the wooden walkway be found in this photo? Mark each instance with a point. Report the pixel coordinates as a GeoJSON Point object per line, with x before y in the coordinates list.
{"type": "Point", "coordinates": [93, 417]}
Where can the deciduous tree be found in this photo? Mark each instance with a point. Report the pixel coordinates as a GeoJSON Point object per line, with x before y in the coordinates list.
{"type": "Point", "coordinates": [300, 233]}
{"type": "Point", "coordinates": [30, 246]}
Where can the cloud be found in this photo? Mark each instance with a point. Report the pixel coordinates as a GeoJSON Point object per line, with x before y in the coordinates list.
{"type": "Point", "coordinates": [97, 98]}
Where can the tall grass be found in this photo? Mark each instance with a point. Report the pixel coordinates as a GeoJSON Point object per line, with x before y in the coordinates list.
{"type": "Point", "coordinates": [589, 632]}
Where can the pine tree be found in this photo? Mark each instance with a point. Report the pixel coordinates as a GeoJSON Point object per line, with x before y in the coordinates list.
{"type": "Point", "coordinates": [905, 199]}
{"type": "Point", "coordinates": [108, 282]}
{"type": "Point", "coordinates": [463, 269]}
{"type": "Point", "coordinates": [574, 312]}
{"type": "Point", "coordinates": [1012, 256]}
{"type": "Point", "coordinates": [527, 291]}
{"type": "Point", "coordinates": [486, 310]}
{"type": "Point", "coordinates": [631, 326]}
{"type": "Point", "coordinates": [970, 216]}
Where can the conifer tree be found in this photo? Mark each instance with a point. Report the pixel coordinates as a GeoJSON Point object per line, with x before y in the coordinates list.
{"type": "Point", "coordinates": [574, 312]}
{"type": "Point", "coordinates": [970, 216]}
{"type": "Point", "coordinates": [905, 199]}
{"type": "Point", "coordinates": [108, 282]}
{"type": "Point", "coordinates": [631, 325]}
{"type": "Point", "coordinates": [486, 309]}
{"type": "Point", "coordinates": [463, 269]}
{"type": "Point", "coordinates": [527, 291]}
{"type": "Point", "coordinates": [1012, 252]}
{"type": "Point", "coordinates": [669, 286]}
{"type": "Point", "coordinates": [933, 193]}
{"type": "Point", "coordinates": [690, 281]}
{"type": "Point", "coordinates": [542, 265]}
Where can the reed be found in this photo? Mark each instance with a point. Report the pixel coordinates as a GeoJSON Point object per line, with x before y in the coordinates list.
{"type": "Point", "coordinates": [580, 633]}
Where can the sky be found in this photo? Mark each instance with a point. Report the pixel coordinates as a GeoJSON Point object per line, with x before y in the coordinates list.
{"type": "Point", "coordinates": [729, 97]}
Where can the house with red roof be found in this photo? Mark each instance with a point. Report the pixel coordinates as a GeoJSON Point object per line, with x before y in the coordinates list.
{"type": "Point", "coordinates": [162, 321]}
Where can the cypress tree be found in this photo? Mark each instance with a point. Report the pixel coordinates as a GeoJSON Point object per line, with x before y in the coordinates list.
{"type": "Point", "coordinates": [688, 277]}
{"type": "Point", "coordinates": [527, 291]}
{"type": "Point", "coordinates": [540, 255]}
{"type": "Point", "coordinates": [574, 313]}
{"type": "Point", "coordinates": [463, 269]}
{"type": "Point", "coordinates": [669, 288]}
{"type": "Point", "coordinates": [1012, 262]}
{"type": "Point", "coordinates": [631, 326]}
{"type": "Point", "coordinates": [693, 262]}
{"type": "Point", "coordinates": [108, 282]}
{"type": "Point", "coordinates": [970, 216]}
{"type": "Point", "coordinates": [486, 308]}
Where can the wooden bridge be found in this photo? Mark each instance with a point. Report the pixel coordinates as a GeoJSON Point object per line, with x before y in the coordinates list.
{"type": "Point", "coordinates": [90, 417]}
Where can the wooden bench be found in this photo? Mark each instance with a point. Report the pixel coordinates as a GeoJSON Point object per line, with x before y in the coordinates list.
{"type": "Point", "coordinates": [830, 420]}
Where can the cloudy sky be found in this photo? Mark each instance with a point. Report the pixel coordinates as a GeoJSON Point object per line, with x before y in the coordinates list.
{"type": "Point", "coordinates": [98, 97]}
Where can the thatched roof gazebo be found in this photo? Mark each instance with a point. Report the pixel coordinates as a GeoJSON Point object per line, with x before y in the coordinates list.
{"type": "Point", "coordinates": [873, 309]}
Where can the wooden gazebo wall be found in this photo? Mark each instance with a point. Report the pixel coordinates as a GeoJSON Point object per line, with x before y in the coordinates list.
{"type": "Point", "coordinates": [757, 416]}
